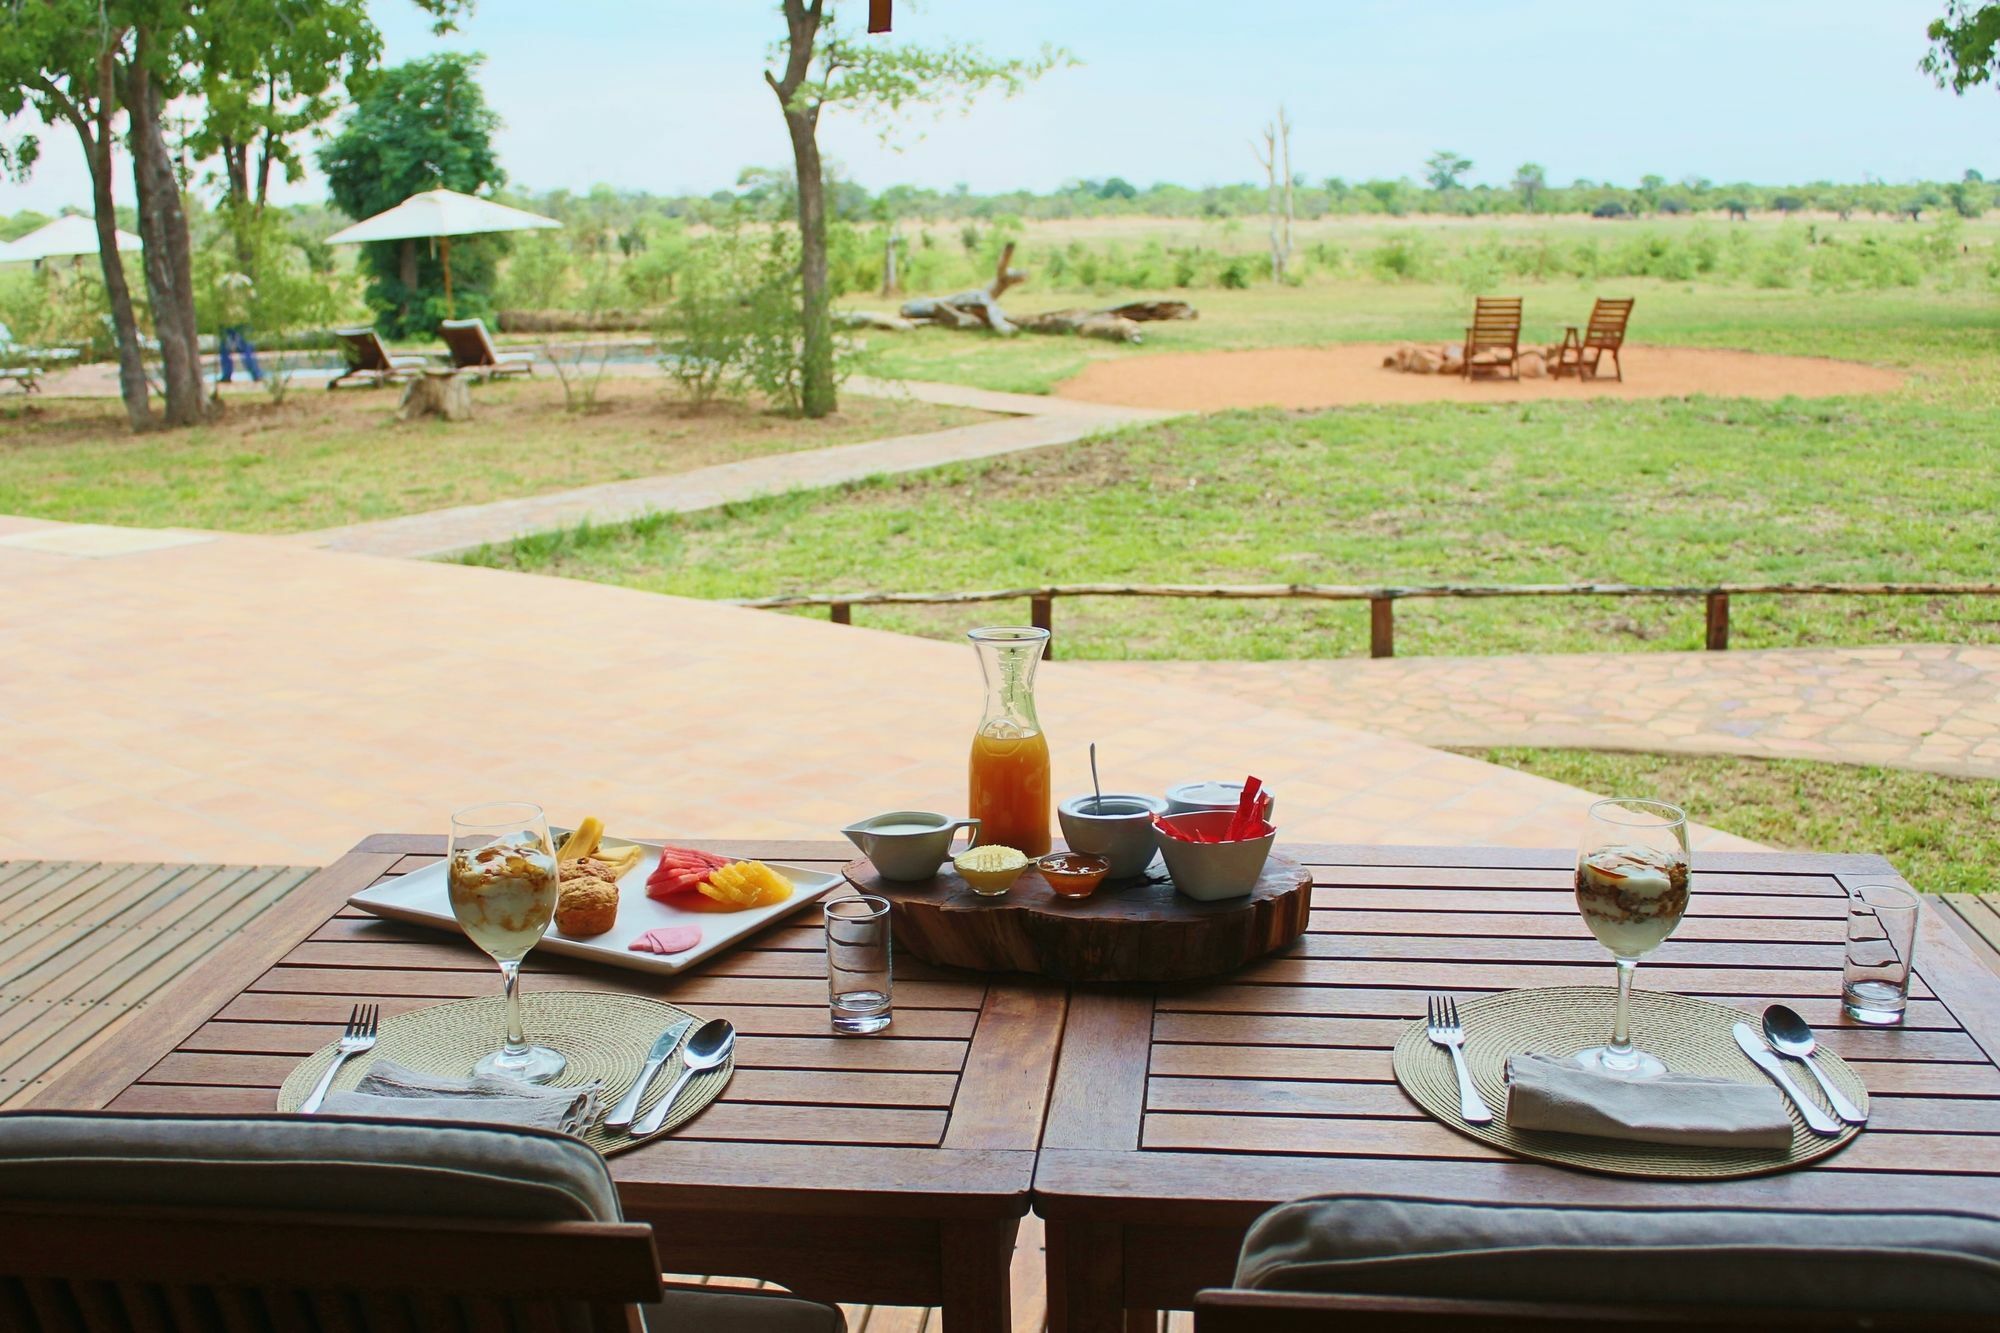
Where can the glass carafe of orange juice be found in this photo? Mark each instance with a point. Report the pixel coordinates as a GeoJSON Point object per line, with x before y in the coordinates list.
{"type": "Point", "coordinates": [1010, 756]}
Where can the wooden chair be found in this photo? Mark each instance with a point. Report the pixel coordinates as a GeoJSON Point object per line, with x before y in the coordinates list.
{"type": "Point", "coordinates": [1493, 341]}
{"type": "Point", "coordinates": [1605, 334]}
{"type": "Point", "coordinates": [286, 1224]}
{"type": "Point", "coordinates": [1293, 1312]}
{"type": "Point", "coordinates": [17, 365]}
{"type": "Point", "coordinates": [472, 349]}
{"type": "Point", "coordinates": [1415, 1265]}
{"type": "Point", "coordinates": [370, 361]}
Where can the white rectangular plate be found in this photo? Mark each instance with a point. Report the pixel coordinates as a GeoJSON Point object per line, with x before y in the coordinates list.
{"type": "Point", "coordinates": [420, 898]}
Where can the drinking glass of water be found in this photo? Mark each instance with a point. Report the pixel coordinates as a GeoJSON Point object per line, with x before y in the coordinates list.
{"type": "Point", "coordinates": [857, 963]}
{"type": "Point", "coordinates": [1881, 937]}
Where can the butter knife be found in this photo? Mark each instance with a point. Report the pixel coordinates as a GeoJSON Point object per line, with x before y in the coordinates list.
{"type": "Point", "coordinates": [1818, 1121]}
{"type": "Point", "coordinates": [622, 1114]}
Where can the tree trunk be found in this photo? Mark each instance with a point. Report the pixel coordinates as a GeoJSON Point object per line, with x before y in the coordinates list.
{"type": "Point", "coordinates": [816, 389]}
{"type": "Point", "coordinates": [890, 286]}
{"type": "Point", "coordinates": [124, 321]}
{"type": "Point", "coordinates": [816, 379]}
{"type": "Point", "coordinates": [163, 227]}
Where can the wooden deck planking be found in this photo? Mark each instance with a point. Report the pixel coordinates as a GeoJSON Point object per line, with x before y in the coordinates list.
{"type": "Point", "coordinates": [83, 945]}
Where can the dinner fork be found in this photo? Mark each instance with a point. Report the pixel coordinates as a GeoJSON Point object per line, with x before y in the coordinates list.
{"type": "Point", "coordinates": [359, 1036]}
{"type": "Point", "coordinates": [1445, 1030]}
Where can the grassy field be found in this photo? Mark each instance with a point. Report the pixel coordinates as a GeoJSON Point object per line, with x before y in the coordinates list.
{"type": "Point", "coordinates": [324, 459]}
{"type": "Point", "coordinates": [1942, 833]}
{"type": "Point", "coordinates": [1895, 486]}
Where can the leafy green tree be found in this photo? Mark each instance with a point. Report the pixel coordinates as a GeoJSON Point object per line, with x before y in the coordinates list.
{"type": "Point", "coordinates": [59, 61]}
{"type": "Point", "coordinates": [1443, 168]}
{"type": "Point", "coordinates": [423, 125]}
{"type": "Point", "coordinates": [823, 66]}
{"type": "Point", "coordinates": [1963, 44]}
{"type": "Point", "coordinates": [1530, 179]}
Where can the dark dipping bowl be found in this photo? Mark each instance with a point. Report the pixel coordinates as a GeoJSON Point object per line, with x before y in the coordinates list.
{"type": "Point", "coordinates": [1073, 874]}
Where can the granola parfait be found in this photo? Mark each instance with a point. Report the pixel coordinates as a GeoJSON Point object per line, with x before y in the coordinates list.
{"type": "Point", "coordinates": [1632, 891]}
{"type": "Point", "coordinates": [503, 882]}
{"type": "Point", "coordinates": [1632, 898]}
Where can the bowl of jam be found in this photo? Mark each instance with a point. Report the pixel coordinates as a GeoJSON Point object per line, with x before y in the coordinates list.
{"type": "Point", "coordinates": [1073, 874]}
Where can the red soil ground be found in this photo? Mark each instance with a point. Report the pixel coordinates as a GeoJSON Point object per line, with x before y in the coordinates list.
{"type": "Point", "coordinates": [1308, 377]}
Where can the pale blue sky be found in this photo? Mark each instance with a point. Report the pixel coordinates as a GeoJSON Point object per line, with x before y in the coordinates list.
{"type": "Point", "coordinates": [667, 96]}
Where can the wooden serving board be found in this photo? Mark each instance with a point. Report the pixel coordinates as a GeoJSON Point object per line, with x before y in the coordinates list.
{"type": "Point", "coordinates": [1132, 930]}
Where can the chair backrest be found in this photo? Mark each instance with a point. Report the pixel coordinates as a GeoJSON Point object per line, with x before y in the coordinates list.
{"type": "Point", "coordinates": [1938, 1262]}
{"type": "Point", "coordinates": [1496, 322]}
{"type": "Point", "coordinates": [200, 1224]}
{"type": "Point", "coordinates": [1607, 324]}
{"type": "Point", "coordinates": [469, 343]}
{"type": "Point", "coordinates": [363, 349]}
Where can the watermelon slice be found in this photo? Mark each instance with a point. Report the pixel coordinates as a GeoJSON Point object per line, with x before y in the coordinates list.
{"type": "Point", "coordinates": [681, 870]}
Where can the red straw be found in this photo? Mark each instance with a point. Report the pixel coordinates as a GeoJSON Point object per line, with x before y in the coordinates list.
{"type": "Point", "coordinates": [1246, 810]}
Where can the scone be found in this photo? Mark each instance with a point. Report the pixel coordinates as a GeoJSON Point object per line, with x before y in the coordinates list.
{"type": "Point", "coordinates": [588, 906]}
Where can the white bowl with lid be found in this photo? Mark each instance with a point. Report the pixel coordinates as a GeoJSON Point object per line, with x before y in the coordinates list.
{"type": "Point", "coordinates": [1190, 797]}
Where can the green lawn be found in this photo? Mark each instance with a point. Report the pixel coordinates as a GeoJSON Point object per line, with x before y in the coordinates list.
{"type": "Point", "coordinates": [323, 459]}
{"type": "Point", "coordinates": [1896, 486]}
{"type": "Point", "coordinates": [1942, 833]}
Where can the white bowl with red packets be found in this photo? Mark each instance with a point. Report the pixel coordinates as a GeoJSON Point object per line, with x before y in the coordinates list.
{"type": "Point", "coordinates": [1216, 854]}
{"type": "Point", "coordinates": [675, 906]}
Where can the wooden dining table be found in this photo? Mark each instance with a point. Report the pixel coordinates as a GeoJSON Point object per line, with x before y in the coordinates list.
{"type": "Point", "coordinates": [890, 1170]}
{"type": "Point", "coordinates": [1148, 1125]}
{"type": "Point", "coordinates": [1181, 1113]}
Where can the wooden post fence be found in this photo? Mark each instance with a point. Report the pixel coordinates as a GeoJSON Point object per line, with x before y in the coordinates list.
{"type": "Point", "coordinates": [1381, 600]}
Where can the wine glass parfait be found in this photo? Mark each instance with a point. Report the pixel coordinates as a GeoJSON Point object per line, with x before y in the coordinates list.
{"type": "Point", "coordinates": [1632, 889]}
{"type": "Point", "coordinates": [504, 884]}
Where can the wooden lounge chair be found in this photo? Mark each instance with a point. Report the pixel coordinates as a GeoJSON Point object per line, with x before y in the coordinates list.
{"type": "Point", "coordinates": [369, 361]}
{"type": "Point", "coordinates": [1579, 355]}
{"type": "Point", "coordinates": [1406, 1265]}
{"type": "Point", "coordinates": [17, 365]}
{"type": "Point", "coordinates": [472, 349]}
{"type": "Point", "coordinates": [1493, 341]}
{"type": "Point", "coordinates": [116, 1223]}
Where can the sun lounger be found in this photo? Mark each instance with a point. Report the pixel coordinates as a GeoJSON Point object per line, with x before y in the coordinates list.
{"type": "Point", "coordinates": [1604, 335]}
{"type": "Point", "coordinates": [370, 362]}
{"type": "Point", "coordinates": [1443, 1267]}
{"type": "Point", "coordinates": [472, 349]}
{"type": "Point", "coordinates": [17, 365]}
{"type": "Point", "coordinates": [1493, 341]}
{"type": "Point", "coordinates": [195, 1222]}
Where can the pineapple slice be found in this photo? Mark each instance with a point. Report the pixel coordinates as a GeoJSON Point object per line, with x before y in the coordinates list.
{"type": "Point", "coordinates": [747, 884]}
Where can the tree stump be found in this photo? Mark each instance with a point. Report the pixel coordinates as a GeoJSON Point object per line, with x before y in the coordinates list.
{"type": "Point", "coordinates": [437, 393]}
{"type": "Point", "coordinates": [1127, 931]}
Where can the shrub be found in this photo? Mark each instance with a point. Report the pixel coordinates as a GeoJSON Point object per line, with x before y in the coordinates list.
{"type": "Point", "coordinates": [1610, 208]}
{"type": "Point", "coordinates": [1403, 256]}
{"type": "Point", "coordinates": [733, 327]}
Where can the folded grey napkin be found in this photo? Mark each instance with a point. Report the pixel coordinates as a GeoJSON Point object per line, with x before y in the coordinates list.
{"type": "Point", "coordinates": [391, 1090]}
{"type": "Point", "coordinates": [1547, 1093]}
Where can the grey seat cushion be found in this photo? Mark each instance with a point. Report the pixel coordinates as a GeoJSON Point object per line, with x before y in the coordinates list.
{"type": "Point", "coordinates": [1941, 1260]}
{"type": "Point", "coordinates": [685, 1310]}
{"type": "Point", "coordinates": [307, 1164]}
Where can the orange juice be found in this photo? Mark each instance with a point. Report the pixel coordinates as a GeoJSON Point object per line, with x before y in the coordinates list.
{"type": "Point", "coordinates": [1010, 788]}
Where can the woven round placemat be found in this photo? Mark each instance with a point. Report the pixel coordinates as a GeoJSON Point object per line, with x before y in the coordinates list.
{"type": "Point", "coordinates": [1691, 1036]}
{"type": "Point", "coordinates": [605, 1037]}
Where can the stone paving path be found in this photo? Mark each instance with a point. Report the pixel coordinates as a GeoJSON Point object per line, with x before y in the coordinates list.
{"type": "Point", "coordinates": [250, 699]}
{"type": "Point", "coordinates": [1930, 707]}
{"type": "Point", "coordinates": [1032, 422]}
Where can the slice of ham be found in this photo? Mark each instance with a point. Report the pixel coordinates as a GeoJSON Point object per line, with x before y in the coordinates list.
{"type": "Point", "coordinates": [667, 939]}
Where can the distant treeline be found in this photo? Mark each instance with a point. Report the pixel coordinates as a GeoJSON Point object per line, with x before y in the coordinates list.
{"type": "Point", "coordinates": [767, 195]}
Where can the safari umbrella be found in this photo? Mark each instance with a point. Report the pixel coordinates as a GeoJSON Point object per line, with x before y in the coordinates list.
{"type": "Point", "coordinates": [71, 234]}
{"type": "Point", "coordinates": [441, 214]}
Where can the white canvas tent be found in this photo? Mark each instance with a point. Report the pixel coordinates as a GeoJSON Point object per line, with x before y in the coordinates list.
{"type": "Point", "coordinates": [71, 234]}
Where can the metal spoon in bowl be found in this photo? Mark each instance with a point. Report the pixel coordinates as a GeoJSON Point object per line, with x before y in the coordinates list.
{"type": "Point", "coordinates": [1791, 1035]}
{"type": "Point", "coordinates": [1096, 791]}
{"type": "Point", "coordinates": [707, 1048]}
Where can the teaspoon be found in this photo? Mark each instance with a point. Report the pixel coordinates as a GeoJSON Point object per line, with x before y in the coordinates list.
{"type": "Point", "coordinates": [1791, 1035]}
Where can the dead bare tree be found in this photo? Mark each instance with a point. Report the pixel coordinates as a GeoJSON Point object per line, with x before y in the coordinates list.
{"type": "Point", "coordinates": [1276, 159]}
